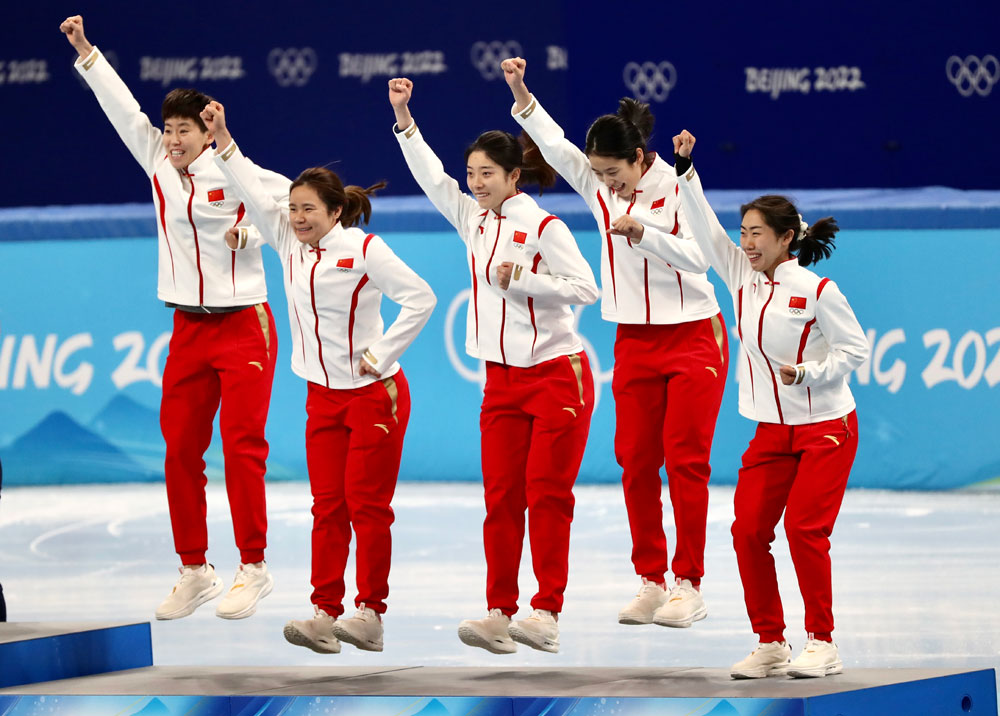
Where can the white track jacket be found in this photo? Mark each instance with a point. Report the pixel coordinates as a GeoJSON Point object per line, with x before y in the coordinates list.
{"type": "Point", "coordinates": [531, 321]}
{"type": "Point", "coordinates": [638, 286]}
{"type": "Point", "coordinates": [193, 209]}
{"type": "Point", "coordinates": [335, 290]}
{"type": "Point", "coordinates": [799, 319]}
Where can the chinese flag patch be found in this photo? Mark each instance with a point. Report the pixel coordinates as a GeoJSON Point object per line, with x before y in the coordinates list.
{"type": "Point", "coordinates": [797, 302]}
{"type": "Point", "coordinates": [658, 204]}
{"type": "Point", "coordinates": [216, 195]}
{"type": "Point", "coordinates": [519, 237]}
{"type": "Point", "coordinates": [349, 263]}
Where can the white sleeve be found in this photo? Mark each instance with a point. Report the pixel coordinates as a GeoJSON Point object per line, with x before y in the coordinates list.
{"type": "Point", "coordinates": [443, 191]}
{"type": "Point", "coordinates": [249, 237]}
{"type": "Point", "coordinates": [679, 252]}
{"type": "Point", "coordinates": [561, 154]}
{"type": "Point", "coordinates": [143, 140]}
{"type": "Point", "coordinates": [722, 254]}
{"type": "Point", "coordinates": [401, 284]}
{"type": "Point", "coordinates": [569, 280]}
{"type": "Point", "coordinates": [276, 185]}
{"type": "Point", "coordinates": [848, 344]}
{"type": "Point", "coordinates": [262, 209]}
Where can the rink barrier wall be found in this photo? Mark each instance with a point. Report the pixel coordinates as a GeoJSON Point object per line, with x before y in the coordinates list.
{"type": "Point", "coordinates": [83, 340]}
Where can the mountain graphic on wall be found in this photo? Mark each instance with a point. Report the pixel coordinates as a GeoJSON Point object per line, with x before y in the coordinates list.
{"type": "Point", "coordinates": [60, 450]}
{"type": "Point", "coordinates": [133, 428]}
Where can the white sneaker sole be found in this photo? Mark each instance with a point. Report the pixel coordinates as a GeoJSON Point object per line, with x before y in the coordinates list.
{"type": "Point", "coordinates": [296, 637]}
{"type": "Point", "coordinates": [250, 609]}
{"type": "Point", "coordinates": [205, 596]}
{"type": "Point", "coordinates": [528, 639]}
{"type": "Point", "coordinates": [761, 672]}
{"type": "Point", "coordinates": [682, 623]}
{"type": "Point", "coordinates": [341, 632]}
{"type": "Point", "coordinates": [471, 637]}
{"type": "Point", "coordinates": [635, 619]}
{"type": "Point", "coordinates": [816, 672]}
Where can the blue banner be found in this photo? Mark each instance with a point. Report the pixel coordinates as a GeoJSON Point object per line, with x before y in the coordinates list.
{"type": "Point", "coordinates": [783, 94]}
{"type": "Point", "coordinates": [83, 342]}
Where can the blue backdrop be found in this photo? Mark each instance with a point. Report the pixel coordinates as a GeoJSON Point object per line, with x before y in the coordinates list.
{"type": "Point", "coordinates": [83, 341]}
{"type": "Point", "coordinates": [797, 94]}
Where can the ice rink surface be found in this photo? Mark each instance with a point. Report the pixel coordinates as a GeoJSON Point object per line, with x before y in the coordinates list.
{"type": "Point", "coordinates": [916, 578]}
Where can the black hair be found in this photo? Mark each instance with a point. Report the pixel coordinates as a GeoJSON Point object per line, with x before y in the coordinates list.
{"type": "Point", "coordinates": [620, 135]}
{"type": "Point", "coordinates": [512, 153]}
{"type": "Point", "coordinates": [187, 104]}
{"type": "Point", "coordinates": [781, 215]}
{"type": "Point", "coordinates": [334, 194]}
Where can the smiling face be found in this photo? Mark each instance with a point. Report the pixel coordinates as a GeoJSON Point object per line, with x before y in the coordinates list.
{"type": "Point", "coordinates": [762, 245]}
{"type": "Point", "coordinates": [618, 174]}
{"type": "Point", "coordinates": [184, 140]}
{"type": "Point", "coordinates": [311, 219]}
{"type": "Point", "coordinates": [488, 181]}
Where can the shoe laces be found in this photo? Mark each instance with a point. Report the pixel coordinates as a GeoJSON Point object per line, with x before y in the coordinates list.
{"type": "Point", "coordinates": [543, 615]}
{"type": "Point", "coordinates": [188, 573]}
{"type": "Point", "coordinates": [319, 613]}
{"type": "Point", "coordinates": [366, 614]}
{"type": "Point", "coordinates": [248, 571]}
{"type": "Point", "coordinates": [683, 588]}
{"type": "Point", "coordinates": [496, 613]}
{"type": "Point", "coordinates": [813, 644]}
{"type": "Point", "coordinates": [648, 585]}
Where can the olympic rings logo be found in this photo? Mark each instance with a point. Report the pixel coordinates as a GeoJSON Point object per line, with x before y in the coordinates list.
{"type": "Point", "coordinates": [650, 81]}
{"type": "Point", "coordinates": [487, 56]}
{"type": "Point", "coordinates": [972, 74]}
{"type": "Point", "coordinates": [292, 66]}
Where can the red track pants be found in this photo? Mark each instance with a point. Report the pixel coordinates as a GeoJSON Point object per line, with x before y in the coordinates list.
{"type": "Point", "coordinates": [354, 440]}
{"type": "Point", "coordinates": [668, 384]}
{"type": "Point", "coordinates": [227, 359]}
{"type": "Point", "coordinates": [534, 424]}
{"type": "Point", "coordinates": [801, 470]}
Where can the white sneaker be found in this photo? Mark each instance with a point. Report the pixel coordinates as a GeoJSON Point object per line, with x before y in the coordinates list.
{"type": "Point", "coordinates": [196, 586]}
{"type": "Point", "coordinates": [684, 606]}
{"type": "Point", "coordinates": [539, 631]}
{"type": "Point", "coordinates": [490, 633]}
{"type": "Point", "coordinates": [363, 630]}
{"type": "Point", "coordinates": [648, 599]}
{"type": "Point", "coordinates": [251, 584]}
{"type": "Point", "coordinates": [818, 658]}
{"type": "Point", "coordinates": [316, 633]}
{"type": "Point", "coordinates": [766, 660]}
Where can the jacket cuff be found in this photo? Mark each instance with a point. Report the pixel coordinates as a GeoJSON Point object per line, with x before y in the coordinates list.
{"type": "Point", "coordinates": [227, 153]}
{"type": "Point", "coordinates": [527, 111]}
{"type": "Point", "coordinates": [407, 133]}
{"type": "Point", "coordinates": [83, 64]}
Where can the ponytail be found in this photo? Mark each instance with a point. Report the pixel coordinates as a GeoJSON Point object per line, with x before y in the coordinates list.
{"type": "Point", "coordinates": [809, 243]}
{"type": "Point", "coordinates": [816, 242]}
{"type": "Point", "coordinates": [357, 206]}
{"type": "Point", "coordinates": [534, 168]}
{"type": "Point", "coordinates": [511, 153]}
{"type": "Point", "coordinates": [352, 200]}
{"type": "Point", "coordinates": [619, 135]}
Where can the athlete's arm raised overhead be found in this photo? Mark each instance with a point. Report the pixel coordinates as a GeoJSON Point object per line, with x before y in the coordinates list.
{"type": "Point", "coordinates": [725, 257]}
{"type": "Point", "coordinates": [443, 191]}
{"type": "Point", "coordinates": [261, 206]}
{"type": "Point", "coordinates": [72, 27]}
{"type": "Point", "coordinates": [143, 140]}
{"type": "Point", "coordinates": [564, 156]}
